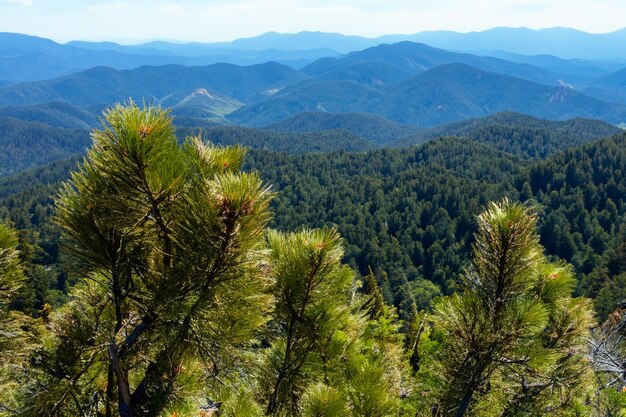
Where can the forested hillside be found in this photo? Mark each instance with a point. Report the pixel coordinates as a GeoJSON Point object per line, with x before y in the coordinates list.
{"type": "Point", "coordinates": [28, 144]}
{"type": "Point", "coordinates": [291, 143]}
{"type": "Point", "coordinates": [520, 134]}
{"type": "Point", "coordinates": [55, 114]}
{"type": "Point", "coordinates": [409, 213]}
{"type": "Point", "coordinates": [374, 128]}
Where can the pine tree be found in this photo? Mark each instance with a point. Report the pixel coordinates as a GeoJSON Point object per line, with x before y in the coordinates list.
{"type": "Point", "coordinates": [311, 291]}
{"type": "Point", "coordinates": [513, 341]}
{"type": "Point", "coordinates": [167, 244]}
{"type": "Point", "coordinates": [334, 351]}
{"type": "Point", "coordinates": [12, 348]}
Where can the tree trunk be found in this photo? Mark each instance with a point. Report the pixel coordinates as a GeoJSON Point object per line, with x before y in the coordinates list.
{"type": "Point", "coordinates": [123, 388]}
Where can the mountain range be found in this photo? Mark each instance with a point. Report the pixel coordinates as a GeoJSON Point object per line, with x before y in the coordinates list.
{"type": "Point", "coordinates": [409, 83]}
{"type": "Point", "coordinates": [562, 42]}
{"type": "Point", "coordinates": [389, 94]}
{"type": "Point", "coordinates": [29, 58]}
{"type": "Point", "coordinates": [440, 95]}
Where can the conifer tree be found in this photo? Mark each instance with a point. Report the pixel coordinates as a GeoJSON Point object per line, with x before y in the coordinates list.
{"type": "Point", "coordinates": [513, 341]}
{"type": "Point", "coordinates": [334, 350]}
{"type": "Point", "coordinates": [167, 243]}
{"type": "Point", "coordinates": [311, 292]}
{"type": "Point", "coordinates": [12, 348]}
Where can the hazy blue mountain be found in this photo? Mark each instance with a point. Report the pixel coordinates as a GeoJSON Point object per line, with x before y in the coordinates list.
{"type": "Point", "coordinates": [457, 91]}
{"type": "Point", "coordinates": [414, 58]}
{"type": "Point", "coordinates": [103, 85]}
{"type": "Point", "coordinates": [441, 95]}
{"type": "Point", "coordinates": [5, 83]}
{"type": "Point", "coordinates": [325, 96]}
{"type": "Point", "coordinates": [30, 58]}
{"type": "Point", "coordinates": [585, 68]}
{"type": "Point", "coordinates": [301, 40]}
{"type": "Point", "coordinates": [610, 87]}
{"type": "Point", "coordinates": [197, 49]}
{"type": "Point", "coordinates": [374, 128]}
{"type": "Point", "coordinates": [561, 42]}
{"type": "Point", "coordinates": [205, 53]}
{"type": "Point", "coordinates": [406, 82]}
{"type": "Point", "coordinates": [373, 73]}
{"type": "Point", "coordinates": [148, 48]}
{"type": "Point", "coordinates": [27, 58]}
{"type": "Point", "coordinates": [55, 114]}
{"type": "Point", "coordinates": [16, 44]}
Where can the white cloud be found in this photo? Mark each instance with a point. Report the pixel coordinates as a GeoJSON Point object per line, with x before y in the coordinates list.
{"type": "Point", "coordinates": [17, 2]}
{"type": "Point", "coordinates": [172, 8]}
{"type": "Point", "coordinates": [109, 7]}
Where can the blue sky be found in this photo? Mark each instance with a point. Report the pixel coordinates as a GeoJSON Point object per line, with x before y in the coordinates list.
{"type": "Point", "coordinates": [218, 20]}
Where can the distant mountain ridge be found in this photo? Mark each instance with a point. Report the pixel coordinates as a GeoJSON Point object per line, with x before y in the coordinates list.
{"type": "Point", "coordinates": [444, 94]}
{"type": "Point", "coordinates": [392, 87]}
{"type": "Point", "coordinates": [102, 85]}
{"type": "Point", "coordinates": [30, 58]}
{"type": "Point", "coordinates": [414, 58]}
{"type": "Point", "coordinates": [562, 42]}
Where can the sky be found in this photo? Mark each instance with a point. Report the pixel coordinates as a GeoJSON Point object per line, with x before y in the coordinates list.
{"type": "Point", "coordinates": [129, 21]}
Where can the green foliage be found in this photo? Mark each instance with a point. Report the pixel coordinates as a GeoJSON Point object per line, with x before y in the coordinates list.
{"type": "Point", "coordinates": [11, 272]}
{"type": "Point", "coordinates": [179, 300]}
{"type": "Point", "coordinates": [513, 342]}
{"type": "Point", "coordinates": [611, 295]}
{"type": "Point", "coordinates": [323, 401]}
{"type": "Point", "coordinates": [401, 211]}
{"type": "Point", "coordinates": [14, 347]}
{"type": "Point", "coordinates": [328, 353]}
{"type": "Point", "coordinates": [311, 293]}
{"type": "Point", "coordinates": [166, 243]}
{"type": "Point", "coordinates": [410, 212]}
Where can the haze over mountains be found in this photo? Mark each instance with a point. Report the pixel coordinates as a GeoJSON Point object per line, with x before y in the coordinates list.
{"type": "Point", "coordinates": [24, 57]}
{"type": "Point", "coordinates": [360, 92]}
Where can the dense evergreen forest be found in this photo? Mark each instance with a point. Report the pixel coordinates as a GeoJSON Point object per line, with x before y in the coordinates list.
{"type": "Point", "coordinates": [364, 282]}
{"type": "Point", "coordinates": [409, 213]}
